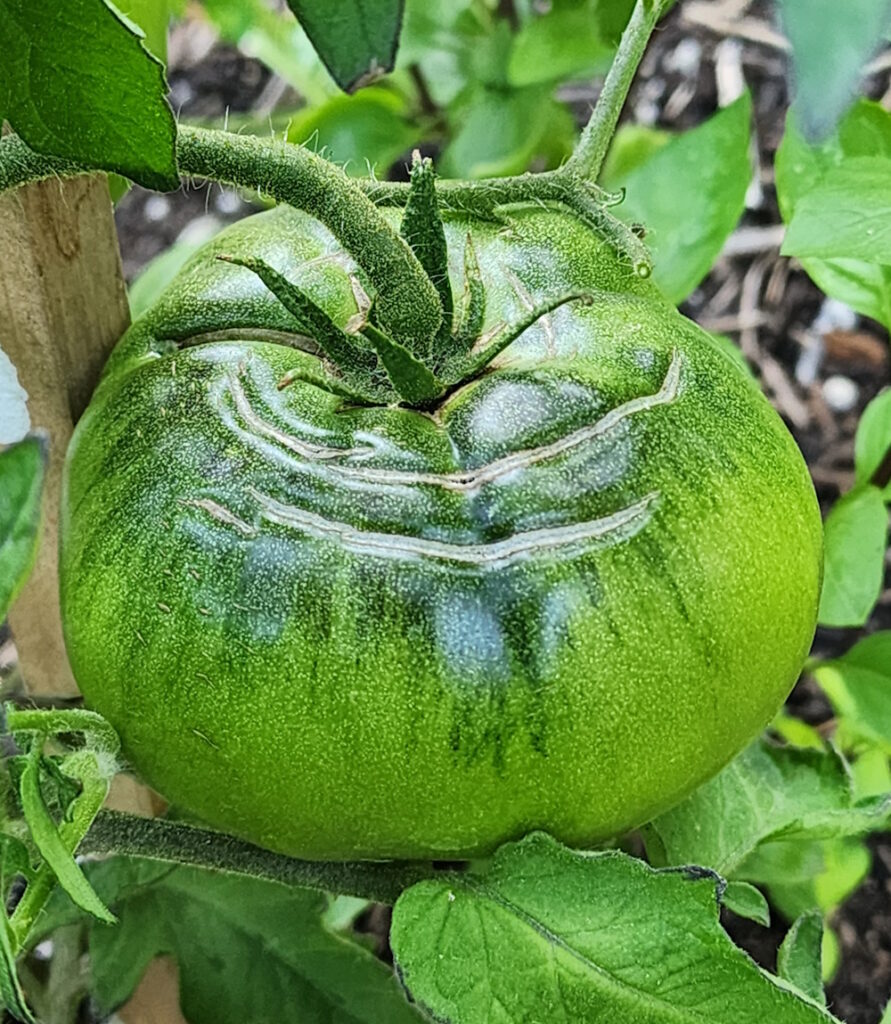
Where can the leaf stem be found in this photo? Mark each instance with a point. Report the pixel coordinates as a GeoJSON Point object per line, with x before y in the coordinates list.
{"type": "Point", "coordinates": [591, 149]}
{"type": "Point", "coordinates": [114, 832]}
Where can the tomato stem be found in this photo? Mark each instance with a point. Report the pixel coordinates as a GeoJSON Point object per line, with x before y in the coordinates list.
{"type": "Point", "coordinates": [590, 152]}
{"type": "Point", "coordinates": [114, 832]}
{"type": "Point", "coordinates": [408, 304]}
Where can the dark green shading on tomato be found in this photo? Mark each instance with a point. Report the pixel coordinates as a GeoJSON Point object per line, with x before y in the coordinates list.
{"type": "Point", "coordinates": [557, 598]}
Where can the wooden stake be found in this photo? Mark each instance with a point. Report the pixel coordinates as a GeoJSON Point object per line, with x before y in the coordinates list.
{"type": "Point", "coordinates": [63, 305]}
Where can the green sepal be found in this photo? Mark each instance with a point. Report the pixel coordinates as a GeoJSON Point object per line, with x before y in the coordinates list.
{"type": "Point", "coordinates": [473, 302]}
{"type": "Point", "coordinates": [411, 379]}
{"type": "Point", "coordinates": [422, 228]}
{"type": "Point", "coordinates": [321, 378]}
{"type": "Point", "coordinates": [474, 364]}
{"type": "Point", "coordinates": [313, 321]}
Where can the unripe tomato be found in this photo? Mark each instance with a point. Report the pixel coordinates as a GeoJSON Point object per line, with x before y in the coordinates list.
{"type": "Point", "coordinates": [559, 599]}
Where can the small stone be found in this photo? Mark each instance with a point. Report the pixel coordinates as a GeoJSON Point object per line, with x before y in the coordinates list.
{"type": "Point", "coordinates": [684, 58]}
{"type": "Point", "coordinates": [228, 202]}
{"type": "Point", "coordinates": [840, 393]}
{"type": "Point", "coordinates": [156, 208]}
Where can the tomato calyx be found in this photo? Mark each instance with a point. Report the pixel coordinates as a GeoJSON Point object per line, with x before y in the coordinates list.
{"type": "Point", "coordinates": [369, 365]}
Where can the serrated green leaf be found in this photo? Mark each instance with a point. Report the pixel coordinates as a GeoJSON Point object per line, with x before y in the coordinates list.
{"type": "Point", "coordinates": [76, 82]}
{"type": "Point", "coordinates": [799, 960]}
{"type": "Point", "coordinates": [855, 537]}
{"type": "Point", "coordinates": [690, 194]}
{"type": "Point", "coordinates": [557, 46]}
{"type": "Point", "coordinates": [831, 42]}
{"type": "Point", "coordinates": [152, 17]}
{"type": "Point", "coordinates": [846, 216]}
{"type": "Point", "coordinates": [766, 792]}
{"type": "Point", "coordinates": [247, 950]}
{"type": "Point", "coordinates": [859, 686]}
{"type": "Point", "coordinates": [747, 901]}
{"type": "Point", "coordinates": [22, 469]}
{"type": "Point", "coordinates": [356, 39]}
{"type": "Point", "coordinates": [873, 440]}
{"type": "Point", "coordinates": [864, 132]}
{"type": "Point", "coordinates": [549, 934]}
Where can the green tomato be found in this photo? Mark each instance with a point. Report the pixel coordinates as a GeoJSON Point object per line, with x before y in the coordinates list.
{"type": "Point", "coordinates": [560, 599]}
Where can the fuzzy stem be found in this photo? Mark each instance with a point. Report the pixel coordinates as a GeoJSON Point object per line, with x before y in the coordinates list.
{"type": "Point", "coordinates": [114, 832]}
{"type": "Point", "coordinates": [590, 152]}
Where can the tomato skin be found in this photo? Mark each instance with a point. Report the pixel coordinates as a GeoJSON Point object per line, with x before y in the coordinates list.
{"type": "Point", "coordinates": [561, 601]}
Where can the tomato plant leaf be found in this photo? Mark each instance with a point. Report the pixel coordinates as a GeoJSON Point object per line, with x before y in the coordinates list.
{"type": "Point", "coordinates": [77, 82]}
{"type": "Point", "coordinates": [865, 131]}
{"type": "Point", "coordinates": [560, 45]}
{"type": "Point", "coordinates": [632, 145]}
{"type": "Point", "coordinates": [847, 215]}
{"type": "Point", "coordinates": [453, 44]}
{"type": "Point", "coordinates": [801, 875]}
{"type": "Point", "coordinates": [858, 685]}
{"type": "Point", "coordinates": [873, 440]}
{"type": "Point", "coordinates": [14, 419]}
{"type": "Point", "coordinates": [799, 960]}
{"type": "Point", "coordinates": [22, 469]}
{"type": "Point", "coordinates": [766, 793]}
{"type": "Point", "coordinates": [51, 845]}
{"type": "Point", "coordinates": [747, 901]}
{"type": "Point", "coordinates": [152, 17]}
{"type": "Point", "coordinates": [356, 39]}
{"type": "Point", "coordinates": [499, 132]}
{"type": "Point", "coordinates": [547, 933]}
{"type": "Point", "coordinates": [689, 193]}
{"type": "Point", "coordinates": [247, 950]}
{"type": "Point", "coordinates": [855, 535]}
{"type": "Point", "coordinates": [830, 44]}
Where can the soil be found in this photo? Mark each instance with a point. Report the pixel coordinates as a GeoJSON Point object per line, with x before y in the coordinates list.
{"type": "Point", "coordinates": [819, 365]}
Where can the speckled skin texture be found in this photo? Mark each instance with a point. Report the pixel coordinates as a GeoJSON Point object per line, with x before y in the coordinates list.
{"type": "Point", "coordinates": [560, 601]}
